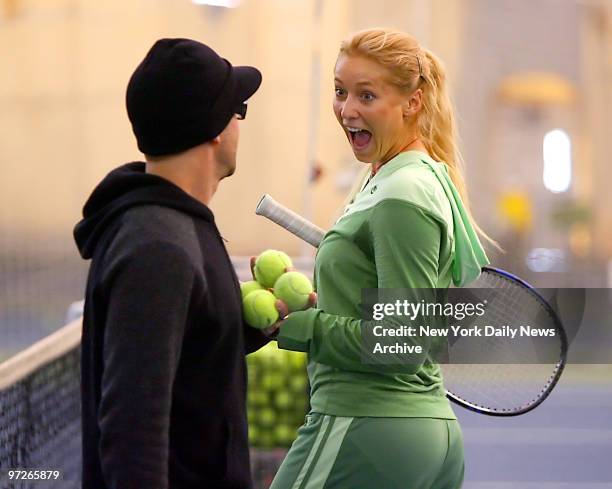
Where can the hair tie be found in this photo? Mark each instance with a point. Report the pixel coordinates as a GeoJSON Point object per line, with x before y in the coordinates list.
{"type": "Point", "coordinates": [420, 67]}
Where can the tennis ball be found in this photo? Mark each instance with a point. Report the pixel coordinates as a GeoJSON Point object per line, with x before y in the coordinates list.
{"type": "Point", "coordinates": [296, 361]}
{"type": "Point", "coordinates": [253, 435]}
{"type": "Point", "coordinates": [284, 435]}
{"type": "Point", "coordinates": [293, 288]}
{"type": "Point", "coordinates": [298, 384]}
{"type": "Point", "coordinates": [247, 287]}
{"type": "Point", "coordinates": [251, 416]}
{"type": "Point", "coordinates": [270, 265]}
{"type": "Point", "coordinates": [266, 417]}
{"type": "Point", "coordinates": [272, 381]}
{"type": "Point", "coordinates": [257, 397]}
{"type": "Point", "coordinates": [283, 400]}
{"type": "Point", "coordinates": [259, 308]}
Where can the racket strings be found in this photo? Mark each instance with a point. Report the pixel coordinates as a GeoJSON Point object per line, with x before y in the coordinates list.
{"type": "Point", "coordinates": [501, 374]}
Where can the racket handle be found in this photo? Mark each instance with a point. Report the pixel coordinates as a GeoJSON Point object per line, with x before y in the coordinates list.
{"type": "Point", "coordinates": [292, 222]}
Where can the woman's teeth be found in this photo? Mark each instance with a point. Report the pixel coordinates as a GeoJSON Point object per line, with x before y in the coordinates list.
{"type": "Point", "coordinates": [360, 138]}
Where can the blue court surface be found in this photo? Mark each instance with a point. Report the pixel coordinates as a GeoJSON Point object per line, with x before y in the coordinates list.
{"type": "Point", "coordinates": [565, 443]}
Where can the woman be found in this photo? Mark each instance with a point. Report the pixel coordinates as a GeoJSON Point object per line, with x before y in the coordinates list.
{"type": "Point", "coordinates": [407, 228]}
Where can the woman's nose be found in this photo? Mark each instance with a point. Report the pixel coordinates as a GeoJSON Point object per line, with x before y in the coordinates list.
{"type": "Point", "coordinates": [348, 110]}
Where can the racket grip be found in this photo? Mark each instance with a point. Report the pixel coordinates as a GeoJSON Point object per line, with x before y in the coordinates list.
{"type": "Point", "coordinates": [292, 222]}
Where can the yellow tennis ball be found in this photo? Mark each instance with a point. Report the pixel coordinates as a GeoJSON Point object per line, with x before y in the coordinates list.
{"type": "Point", "coordinates": [259, 309]}
{"type": "Point", "coordinates": [247, 287]}
{"type": "Point", "coordinates": [270, 265]}
{"type": "Point", "coordinates": [293, 288]}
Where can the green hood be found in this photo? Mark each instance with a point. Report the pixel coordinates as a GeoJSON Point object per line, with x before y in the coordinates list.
{"type": "Point", "coordinates": [470, 256]}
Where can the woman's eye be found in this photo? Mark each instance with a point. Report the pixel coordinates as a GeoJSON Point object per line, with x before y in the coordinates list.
{"type": "Point", "coordinates": [367, 96]}
{"type": "Point", "coordinates": [339, 92]}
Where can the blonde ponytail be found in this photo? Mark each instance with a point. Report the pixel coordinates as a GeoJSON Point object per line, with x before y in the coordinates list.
{"type": "Point", "coordinates": [438, 128]}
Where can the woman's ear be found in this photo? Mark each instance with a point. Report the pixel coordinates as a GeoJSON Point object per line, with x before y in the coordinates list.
{"type": "Point", "coordinates": [413, 104]}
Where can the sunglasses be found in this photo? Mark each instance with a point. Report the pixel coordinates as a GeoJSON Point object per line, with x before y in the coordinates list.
{"type": "Point", "coordinates": [241, 111]}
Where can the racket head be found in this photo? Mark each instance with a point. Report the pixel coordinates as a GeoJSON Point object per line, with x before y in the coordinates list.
{"type": "Point", "coordinates": [463, 390]}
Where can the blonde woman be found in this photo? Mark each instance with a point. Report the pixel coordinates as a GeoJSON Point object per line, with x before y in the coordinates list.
{"type": "Point", "coordinates": [408, 227]}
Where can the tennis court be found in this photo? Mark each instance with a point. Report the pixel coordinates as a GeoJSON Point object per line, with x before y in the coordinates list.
{"type": "Point", "coordinates": [564, 443]}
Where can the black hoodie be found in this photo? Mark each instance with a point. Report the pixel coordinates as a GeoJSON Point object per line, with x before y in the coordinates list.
{"type": "Point", "coordinates": [163, 368]}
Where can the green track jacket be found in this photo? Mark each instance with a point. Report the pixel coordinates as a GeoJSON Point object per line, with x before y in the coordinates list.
{"type": "Point", "coordinates": [406, 229]}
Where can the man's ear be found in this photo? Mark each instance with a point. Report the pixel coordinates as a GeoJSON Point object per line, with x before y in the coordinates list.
{"type": "Point", "coordinates": [216, 140]}
{"type": "Point", "coordinates": [413, 104]}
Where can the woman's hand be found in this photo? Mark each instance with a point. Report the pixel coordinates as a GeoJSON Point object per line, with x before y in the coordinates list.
{"type": "Point", "coordinates": [281, 307]}
{"type": "Point", "coordinates": [283, 312]}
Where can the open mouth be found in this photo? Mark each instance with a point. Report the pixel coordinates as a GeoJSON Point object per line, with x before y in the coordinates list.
{"type": "Point", "coordinates": [360, 138]}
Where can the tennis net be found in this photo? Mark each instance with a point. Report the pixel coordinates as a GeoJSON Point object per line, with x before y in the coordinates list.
{"type": "Point", "coordinates": [40, 422]}
{"type": "Point", "coordinates": [40, 417]}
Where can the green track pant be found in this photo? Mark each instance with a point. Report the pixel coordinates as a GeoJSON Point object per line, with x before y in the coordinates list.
{"type": "Point", "coordinates": [335, 452]}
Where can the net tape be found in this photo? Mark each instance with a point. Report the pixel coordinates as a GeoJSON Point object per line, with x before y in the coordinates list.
{"type": "Point", "coordinates": [40, 411]}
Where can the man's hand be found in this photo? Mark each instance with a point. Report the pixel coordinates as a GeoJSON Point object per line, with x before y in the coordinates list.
{"type": "Point", "coordinates": [254, 259]}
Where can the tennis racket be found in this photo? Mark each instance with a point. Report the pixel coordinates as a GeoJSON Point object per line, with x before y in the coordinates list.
{"type": "Point", "coordinates": [506, 376]}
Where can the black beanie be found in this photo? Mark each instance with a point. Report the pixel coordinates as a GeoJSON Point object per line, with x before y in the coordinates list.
{"type": "Point", "coordinates": [184, 94]}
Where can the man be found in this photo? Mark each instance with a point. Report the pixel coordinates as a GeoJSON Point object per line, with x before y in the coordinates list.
{"type": "Point", "coordinates": [163, 368]}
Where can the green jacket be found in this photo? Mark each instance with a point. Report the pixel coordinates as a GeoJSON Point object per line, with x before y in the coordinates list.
{"type": "Point", "coordinates": [406, 229]}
